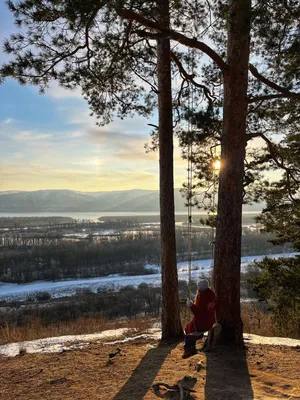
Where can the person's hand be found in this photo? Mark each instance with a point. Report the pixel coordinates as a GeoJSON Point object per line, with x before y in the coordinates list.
{"type": "Point", "coordinates": [189, 303]}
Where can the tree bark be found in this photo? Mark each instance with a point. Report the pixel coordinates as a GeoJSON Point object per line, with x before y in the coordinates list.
{"type": "Point", "coordinates": [171, 324]}
{"type": "Point", "coordinates": [227, 263]}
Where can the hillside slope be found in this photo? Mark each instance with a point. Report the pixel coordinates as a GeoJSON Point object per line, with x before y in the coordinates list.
{"type": "Point", "coordinates": [259, 372]}
{"type": "Point", "coordinates": [74, 201]}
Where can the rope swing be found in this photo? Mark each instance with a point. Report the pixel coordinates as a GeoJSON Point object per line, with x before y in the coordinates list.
{"type": "Point", "coordinates": [190, 172]}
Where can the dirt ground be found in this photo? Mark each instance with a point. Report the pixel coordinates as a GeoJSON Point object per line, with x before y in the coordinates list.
{"type": "Point", "coordinates": [259, 372]}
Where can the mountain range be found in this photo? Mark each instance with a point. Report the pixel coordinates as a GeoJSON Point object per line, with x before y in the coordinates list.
{"type": "Point", "coordinates": [137, 200]}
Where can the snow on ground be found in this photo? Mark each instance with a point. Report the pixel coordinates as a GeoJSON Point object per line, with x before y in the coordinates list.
{"type": "Point", "coordinates": [58, 344]}
{"type": "Point", "coordinates": [200, 268]}
{"type": "Point", "coordinates": [84, 235]}
{"type": "Point", "coordinates": [275, 341]}
{"type": "Point", "coordinates": [65, 343]}
{"type": "Point", "coordinates": [152, 334]}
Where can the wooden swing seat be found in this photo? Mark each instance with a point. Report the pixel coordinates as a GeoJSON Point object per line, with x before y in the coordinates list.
{"type": "Point", "coordinates": [198, 333]}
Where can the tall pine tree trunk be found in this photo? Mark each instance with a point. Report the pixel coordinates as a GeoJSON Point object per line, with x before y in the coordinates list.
{"type": "Point", "coordinates": [229, 223]}
{"type": "Point", "coordinates": [171, 324]}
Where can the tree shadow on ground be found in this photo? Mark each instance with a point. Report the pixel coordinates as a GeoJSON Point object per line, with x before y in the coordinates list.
{"type": "Point", "coordinates": [227, 375]}
{"type": "Point", "coordinates": [144, 374]}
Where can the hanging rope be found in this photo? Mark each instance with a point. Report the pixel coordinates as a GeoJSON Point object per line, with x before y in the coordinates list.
{"type": "Point", "coordinates": [190, 183]}
{"type": "Point", "coordinates": [190, 172]}
{"type": "Point", "coordinates": [213, 207]}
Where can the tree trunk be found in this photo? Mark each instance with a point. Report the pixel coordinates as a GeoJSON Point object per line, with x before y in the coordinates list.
{"type": "Point", "coordinates": [171, 324]}
{"type": "Point", "coordinates": [228, 233]}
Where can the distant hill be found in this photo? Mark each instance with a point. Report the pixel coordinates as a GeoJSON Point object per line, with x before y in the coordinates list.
{"type": "Point", "coordinates": [74, 201]}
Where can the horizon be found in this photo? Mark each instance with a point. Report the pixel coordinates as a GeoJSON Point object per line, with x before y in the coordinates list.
{"type": "Point", "coordinates": [73, 201]}
{"type": "Point", "coordinates": [83, 191]}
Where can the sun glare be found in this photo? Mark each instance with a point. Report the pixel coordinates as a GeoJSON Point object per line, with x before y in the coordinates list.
{"type": "Point", "coordinates": [217, 165]}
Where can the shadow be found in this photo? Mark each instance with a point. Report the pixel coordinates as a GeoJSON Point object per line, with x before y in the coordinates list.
{"type": "Point", "coordinates": [227, 375]}
{"type": "Point", "coordinates": [144, 374]}
{"type": "Point", "coordinates": [186, 382]}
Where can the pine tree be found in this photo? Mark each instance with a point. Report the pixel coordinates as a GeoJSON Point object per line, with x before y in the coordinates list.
{"type": "Point", "coordinates": [171, 324]}
{"type": "Point", "coordinates": [279, 282]}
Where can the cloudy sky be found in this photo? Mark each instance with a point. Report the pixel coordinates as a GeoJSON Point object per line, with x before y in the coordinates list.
{"type": "Point", "coordinates": [50, 141]}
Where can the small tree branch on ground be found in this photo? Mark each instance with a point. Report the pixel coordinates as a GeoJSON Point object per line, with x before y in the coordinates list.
{"type": "Point", "coordinates": [183, 390]}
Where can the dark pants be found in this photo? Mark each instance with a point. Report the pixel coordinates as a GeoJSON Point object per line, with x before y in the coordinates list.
{"type": "Point", "coordinates": [190, 340]}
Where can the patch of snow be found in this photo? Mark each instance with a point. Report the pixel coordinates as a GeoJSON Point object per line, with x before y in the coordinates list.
{"type": "Point", "coordinates": [65, 343]}
{"type": "Point", "coordinates": [275, 341]}
{"type": "Point", "coordinates": [248, 300]}
{"type": "Point", "coordinates": [105, 232]}
{"type": "Point", "coordinates": [152, 267]}
{"type": "Point", "coordinates": [155, 335]}
{"type": "Point", "coordinates": [245, 261]}
{"type": "Point", "coordinates": [76, 235]}
{"type": "Point", "coordinates": [58, 344]}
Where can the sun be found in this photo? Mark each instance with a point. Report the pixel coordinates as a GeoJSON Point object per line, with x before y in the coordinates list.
{"type": "Point", "coordinates": [217, 165]}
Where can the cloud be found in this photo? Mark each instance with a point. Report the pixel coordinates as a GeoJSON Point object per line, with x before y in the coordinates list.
{"type": "Point", "coordinates": [128, 147]}
{"type": "Point", "coordinates": [30, 136]}
{"type": "Point", "coordinates": [79, 155]}
{"type": "Point", "coordinates": [137, 155]}
{"type": "Point", "coordinates": [79, 114]}
{"type": "Point", "coordinates": [101, 135]}
{"type": "Point", "coordinates": [88, 162]}
{"type": "Point", "coordinates": [7, 121]}
{"type": "Point", "coordinates": [56, 91]}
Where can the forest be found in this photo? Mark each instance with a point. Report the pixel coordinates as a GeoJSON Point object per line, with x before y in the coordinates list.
{"type": "Point", "coordinates": [126, 254]}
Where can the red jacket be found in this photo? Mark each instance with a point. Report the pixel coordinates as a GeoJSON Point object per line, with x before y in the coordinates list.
{"type": "Point", "coordinates": [204, 312]}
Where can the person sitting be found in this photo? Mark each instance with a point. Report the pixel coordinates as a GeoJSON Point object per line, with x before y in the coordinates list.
{"type": "Point", "coordinates": [203, 309]}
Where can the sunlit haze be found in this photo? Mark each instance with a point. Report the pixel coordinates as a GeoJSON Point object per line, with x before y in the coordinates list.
{"type": "Point", "coordinates": [51, 142]}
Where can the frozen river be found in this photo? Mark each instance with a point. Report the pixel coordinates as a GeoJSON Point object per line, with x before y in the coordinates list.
{"type": "Point", "coordinates": [200, 268]}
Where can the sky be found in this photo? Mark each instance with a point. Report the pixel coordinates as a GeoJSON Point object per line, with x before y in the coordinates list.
{"type": "Point", "coordinates": [50, 142]}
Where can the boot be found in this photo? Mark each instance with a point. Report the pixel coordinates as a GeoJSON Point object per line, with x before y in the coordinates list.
{"type": "Point", "coordinates": [189, 351]}
{"type": "Point", "coordinates": [193, 350]}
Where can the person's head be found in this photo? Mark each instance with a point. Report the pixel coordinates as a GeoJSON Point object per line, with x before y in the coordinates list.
{"type": "Point", "coordinates": [202, 285]}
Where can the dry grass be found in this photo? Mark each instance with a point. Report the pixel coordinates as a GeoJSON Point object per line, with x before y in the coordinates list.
{"type": "Point", "coordinates": [254, 320]}
{"type": "Point", "coordinates": [36, 330]}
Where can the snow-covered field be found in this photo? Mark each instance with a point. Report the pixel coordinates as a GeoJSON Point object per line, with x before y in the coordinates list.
{"type": "Point", "coordinates": [66, 343]}
{"type": "Point", "coordinates": [200, 268]}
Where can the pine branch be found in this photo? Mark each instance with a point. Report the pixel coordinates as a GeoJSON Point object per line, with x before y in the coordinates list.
{"type": "Point", "coordinates": [153, 88]}
{"type": "Point", "coordinates": [54, 63]}
{"type": "Point", "coordinates": [283, 92]}
{"type": "Point", "coordinates": [189, 42]}
{"type": "Point", "coordinates": [278, 159]}
{"type": "Point", "coordinates": [190, 78]}
{"type": "Point", "coordinates": [267, 81]}
{"type": "Point", "coordinates": [273, 97]}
